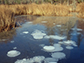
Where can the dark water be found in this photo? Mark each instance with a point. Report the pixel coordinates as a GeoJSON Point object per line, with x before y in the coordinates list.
{"type": "Point", "coordinates": [30, 47]}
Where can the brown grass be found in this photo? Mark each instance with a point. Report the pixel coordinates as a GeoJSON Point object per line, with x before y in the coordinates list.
{"type": "Point", "coordinates": [6, 19]}
{"type": "Point", "coordinates": [7, 12]}
{"type": "Point", "coordinates": [41, 9]}
{"type": "Point", "coordinates": [80, 10]}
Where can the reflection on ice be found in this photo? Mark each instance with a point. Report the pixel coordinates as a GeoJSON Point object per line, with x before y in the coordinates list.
{"type": "Point", "coordinates": [55, 37]}
{"type": "Point", "coordinates": [13, 53]}
{"type": "Point", "coordinates": [69, 47]}
{"type": "Point", "coordinates": [58, 55]}
{"type": "Point", "coordinates": [50, 60]}
{"type": "Point", "coordinates": [38, 34]}
{"type": "Point", "coordinates": [36, 59]}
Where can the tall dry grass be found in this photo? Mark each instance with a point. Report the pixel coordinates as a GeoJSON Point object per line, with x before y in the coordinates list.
{"type": "Point", "coordinates": [6, 19]}
{"type": "Point", "coordinates": [80, 10]}
{"type": "Point", "coordinates": [41, 9]}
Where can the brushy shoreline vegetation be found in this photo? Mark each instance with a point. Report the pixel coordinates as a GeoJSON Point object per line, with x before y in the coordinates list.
{"type": "Point", "coordinates": [9, 9]}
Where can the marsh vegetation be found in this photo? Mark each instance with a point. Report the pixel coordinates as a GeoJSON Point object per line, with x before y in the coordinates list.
{"type": "Point", "coordinates": [9, 9]}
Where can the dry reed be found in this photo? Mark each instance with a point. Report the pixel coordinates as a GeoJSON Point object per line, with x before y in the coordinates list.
{"type": "Point", "coordinates": [6, 19]}
{"type": "Point", "coordinates": [41, 9]}
{"type": "Point", "coordinates": [80, 10]}
{"type": "Point", "coordinates": [7, 12]}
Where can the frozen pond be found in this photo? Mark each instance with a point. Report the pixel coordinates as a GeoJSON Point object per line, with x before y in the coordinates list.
{"type": "Point", "coordinates": [44, 40]}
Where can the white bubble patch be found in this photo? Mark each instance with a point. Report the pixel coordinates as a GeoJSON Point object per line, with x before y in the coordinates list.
{"type": "Point", "coordinates": [56, 47]}
{"type": "Point", "coordinates": [58, 55]}
{"type": "Point", "coordinates": [12, 41]}
{"type": "Point", "coordinates": [49, 48]}
{"type": "Point", "coordinates": [49, 60]}
{"type": "Point", "coordinates": [13, 53]}
{"type": "Point", "coordinates": [60, 42]}
{"type": "Point", "coordinates": [36, 59]}
{"type": "Point", "coordinates": [52, 62]}
{"type": "Point", "coordinates": [25, 32]}
{"type": "Point", "coordinates": [69, 47]}
{"type": "Point", "coordinates": [38, 34]}
{"type": "Point", "coordinates": [77, 29]}
{"type": "Point", "coordinates": [15, 48]}
{"type": "Point", "coordinates": [70, 42]}
{"type": "Point", "coordinates": [55, 37]}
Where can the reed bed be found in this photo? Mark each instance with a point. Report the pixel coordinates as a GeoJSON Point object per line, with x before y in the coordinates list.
{"type": "Point", "coordinates": [41, 9]}
{"type": "Point", "coordinates": [7, 12]}
{"type": "Point", "coordinates": [6, 19]}
{"type": "Point", "coordinates": [80, 10]}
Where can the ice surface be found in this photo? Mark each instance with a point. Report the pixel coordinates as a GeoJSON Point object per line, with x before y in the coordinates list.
{"type": "Point", "coordinates": [42, 45]}
{"type": "Point", "coordinates": [77, 29]}
{"type": "Point", "coordinates": [12, 41]}
{"type": "Point", "coordinates": [58, 47]}
{"type": "Point", "coordinates": [69, 47]}
{"type": "Point", "coordinates": [36, 59]}
{"type": "Point", "coordinates": [70, 42]}
{"type": "Point", "coordinates": [15, 48]}
{"type": "Point", "coordinates": [58, 55]}
{"type": "Point", "coordinates": [49, 48]}
{"type": "Point", "coordinates": [55, 37]}
{"type": "Point", "coordinates": [38, 34]}
{"type": "Point", "coordinates": [25, 61]}
{"type": "Point", "coordinates": [25, 32]}
{"type": "Point", "coordinates": [52, 62]}
{"type": "Point", "coordinates": [13, 53]}
{"type": "Point", "coordinates": [75, 33]}
{"type": "Point", "coordinates": [60, 42]}
{"type": "Point", "coordinates": [48, 60]}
